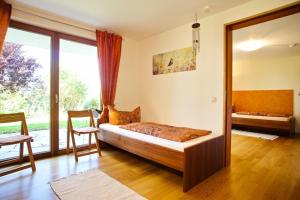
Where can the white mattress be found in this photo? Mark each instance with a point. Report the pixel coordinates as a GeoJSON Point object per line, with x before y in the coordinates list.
{"type": "Point", "coordinates": [179, 146]}
{"type": "Point", "coordinates": [260, 117]}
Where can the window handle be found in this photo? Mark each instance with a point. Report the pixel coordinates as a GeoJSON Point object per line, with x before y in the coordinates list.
{"type": "Point", "coordinates": [56, 98]}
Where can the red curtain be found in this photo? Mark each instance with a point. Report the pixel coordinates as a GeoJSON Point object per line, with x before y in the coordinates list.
{"type": "Point", "coordinates": [5, 12]}
{"type": "Point", "coordinates": [109, 53]}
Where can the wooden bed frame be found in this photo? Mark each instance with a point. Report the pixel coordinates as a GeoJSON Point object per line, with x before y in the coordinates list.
{"type": "Point", "coordinates": [265, 125]}
{"type": "Point", "coordinates": [196, 162]}
{"type": "Point", "coordinates": [264, 101]}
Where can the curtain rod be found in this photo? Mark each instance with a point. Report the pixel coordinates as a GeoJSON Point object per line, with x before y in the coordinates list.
{"type": "Point", "coordinates": [53, 20]}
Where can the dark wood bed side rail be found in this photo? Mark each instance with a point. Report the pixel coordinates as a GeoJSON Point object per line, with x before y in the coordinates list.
{"type": "Point", "coordinates": [287, 127]}
{"type": "Point", "coordinates": [202, 160]}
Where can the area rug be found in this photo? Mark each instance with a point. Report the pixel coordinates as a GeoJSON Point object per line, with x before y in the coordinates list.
{"type": "Point", "coordinates": [256, 135]}
{"type": "Point", "coordinates": [92, 185]}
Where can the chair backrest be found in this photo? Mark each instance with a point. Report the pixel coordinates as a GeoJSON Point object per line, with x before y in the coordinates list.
{"type": "Point", "coordinates": [15, 117]}
{"type": "Point", "coordinates": [80, 114]}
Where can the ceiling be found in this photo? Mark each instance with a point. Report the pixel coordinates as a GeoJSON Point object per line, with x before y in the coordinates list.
{"type": "Point", "coordinates": [136, 19]}
{"type": "Point", "coordinates": [278, 35]}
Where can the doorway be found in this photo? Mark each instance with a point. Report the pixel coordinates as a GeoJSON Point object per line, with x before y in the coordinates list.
{"type": "Point", "coordinates": [279, 13]}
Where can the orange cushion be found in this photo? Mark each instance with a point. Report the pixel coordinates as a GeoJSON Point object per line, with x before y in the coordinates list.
{"type": "Point", "coordinates": [123, 117]}
{"type": "Point", "coordinates": [251, 113]}
{"type": "Point", "coordinates": [277, 115]}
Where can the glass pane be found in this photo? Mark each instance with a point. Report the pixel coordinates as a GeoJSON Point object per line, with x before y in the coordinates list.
{"type": "Point", "coordinates": [79, 86]}
{"type": "Point", "coordinates": [25, 87]}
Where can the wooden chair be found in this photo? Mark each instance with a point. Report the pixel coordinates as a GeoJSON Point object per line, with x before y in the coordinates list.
{"type": "Point", "coordinates": [80, 131]}
{"type": "Point", "coordinates": [17, 139]}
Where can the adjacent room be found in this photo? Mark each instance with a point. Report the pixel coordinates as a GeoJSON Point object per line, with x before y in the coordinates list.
{"type": "Point", "coordinates": [266, 84]}
{"type": "Point", "coordinates": [181, 99]}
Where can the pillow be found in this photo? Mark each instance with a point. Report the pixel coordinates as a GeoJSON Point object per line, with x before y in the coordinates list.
{"type": "Point", "coordinates": [276, 115]}
{"type": "Point", "coordinates": [243, 113]}
{"type": "Point", "coordinates": [123, 117]}
{"type": "Point", "coordinates": [248, 113]}
{"type": "Point", "coordinates": [262, 113]}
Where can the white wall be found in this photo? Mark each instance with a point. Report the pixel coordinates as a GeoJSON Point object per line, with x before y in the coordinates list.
{"type": "Point", "coordinates": [272, 73]}
{"type": "Point", "coordinates": [182, 98]}
{"type": "Point", "coordinates": [127, 96]}
{"type": "Point", "coordinates": [185, 98]}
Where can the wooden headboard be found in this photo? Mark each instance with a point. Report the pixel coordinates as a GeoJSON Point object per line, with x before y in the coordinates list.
{"type": "Point", "coordinates": [266, 101]}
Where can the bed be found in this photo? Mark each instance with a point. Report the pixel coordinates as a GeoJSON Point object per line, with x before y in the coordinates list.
{"type": "Point", "coordinates": [264, 110]}
{"type": "Point", "coordinates": [197, 159]}
{"type": "Point", "coordinates": [285, 125]}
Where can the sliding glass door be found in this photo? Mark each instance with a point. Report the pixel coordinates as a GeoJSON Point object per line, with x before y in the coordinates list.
{"type": "Point", "coordinates": [44, 73]}
{"type": "Point", "coordinates": [79, 85]}
{"type": "Point", "coordinates": [25, 87]}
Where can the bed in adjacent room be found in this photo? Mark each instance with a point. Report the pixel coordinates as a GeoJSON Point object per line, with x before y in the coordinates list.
{"type": "Point", "coordinates": [264, 110]}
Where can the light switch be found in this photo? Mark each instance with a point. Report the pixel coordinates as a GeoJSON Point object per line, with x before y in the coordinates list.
{"type": "Point", "coordinates": [214, 99]}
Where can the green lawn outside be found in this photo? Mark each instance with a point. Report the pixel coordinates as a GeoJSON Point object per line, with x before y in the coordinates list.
{"type": "Point", "coordinates": [41, 126]}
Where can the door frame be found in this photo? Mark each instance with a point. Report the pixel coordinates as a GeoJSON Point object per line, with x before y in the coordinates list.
{"type": "Point", "coordinates": [229, 28]}
{"type": "Point", "coordinates": [54, 79]}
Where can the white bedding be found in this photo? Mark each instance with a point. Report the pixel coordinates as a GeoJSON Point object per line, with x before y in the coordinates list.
{"type": "Point", "coordinates": [260, 117]}
{"type": "Point", "coordinates": [179, 146]}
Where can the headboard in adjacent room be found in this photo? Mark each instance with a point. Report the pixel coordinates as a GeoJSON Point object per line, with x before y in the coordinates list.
{"type": "Point", "coordinates": [265, 101]}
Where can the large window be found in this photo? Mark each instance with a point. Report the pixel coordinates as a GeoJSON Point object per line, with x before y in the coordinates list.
{"type": "Point", "coordinates": [79, 85]}
{"type": "Point", "coordinates": [25, 87]}
{"type": "Point", "coordinates": [44, 74]}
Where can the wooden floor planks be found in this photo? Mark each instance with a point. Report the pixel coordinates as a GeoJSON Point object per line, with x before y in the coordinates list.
{"type": "Point", "coordinates": [260, 169]}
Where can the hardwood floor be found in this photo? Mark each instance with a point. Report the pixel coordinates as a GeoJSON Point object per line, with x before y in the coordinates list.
{"type": "Point", "coordinates": [260, 169]}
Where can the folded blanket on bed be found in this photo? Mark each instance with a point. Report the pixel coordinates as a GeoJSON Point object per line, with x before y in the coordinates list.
{"type": "Point", "coordinates": [178, 134]}
{"type": "Point", "coordinates": [263, 114]}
